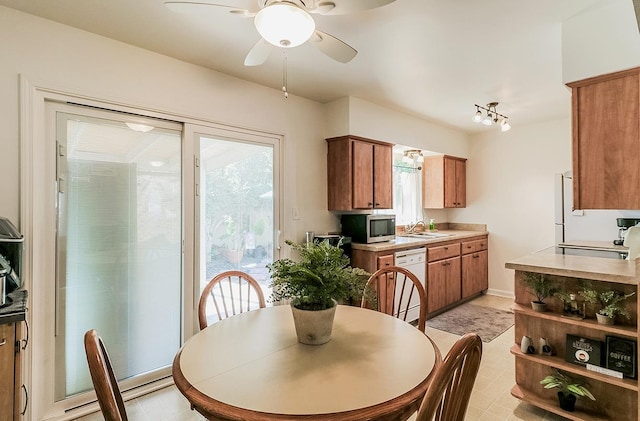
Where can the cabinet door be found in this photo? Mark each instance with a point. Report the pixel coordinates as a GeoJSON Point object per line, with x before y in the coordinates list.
{"type": "Point", "coordinates": [382, 177]}
{"type": "Point", "coordinates": [461, 184]}
{"type": "Point", "coordinates": [7, 355]}
{"type": "Point", "coordinates": [362, 175]}
{"type": "Point", "coordinates": [475, 273]}
{"type": "Point", "coordinates": [339, 175]}
{"type": "Point", "coordinates": [606, 141]}
{"type": "Point", "coordinates": [455, 183]}
{"type": "Point", "coordinates": [436, 285]}
{"type": "Point", "coordinates": [453, 287]}
{"type": "Point", "coordinates": [443, 283]}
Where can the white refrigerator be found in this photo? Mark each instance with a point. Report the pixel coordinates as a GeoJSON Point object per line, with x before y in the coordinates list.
{"type": "Point", "coordinates": [583, 225]}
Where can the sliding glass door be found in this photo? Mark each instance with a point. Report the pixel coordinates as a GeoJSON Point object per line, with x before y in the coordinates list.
{"type": "Point", "coordinates": [237, 214]}
{"type": "Point", "coordinates": [119, 245]}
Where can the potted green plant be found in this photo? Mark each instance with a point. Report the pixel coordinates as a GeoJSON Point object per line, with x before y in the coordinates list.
{"type": "Point", "coordinates": [610, 302]}
{"type": "Point", "coordinates": [569, 389]}
{"type": "Point", "coordinates": [540, 288]}
{"type": "Point", "coordinates": [314, 284]}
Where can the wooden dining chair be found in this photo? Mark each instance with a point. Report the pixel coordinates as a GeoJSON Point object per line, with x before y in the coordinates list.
{"type": "Point", "coordinates": [447, 396]}
{"type": "Point", "coordinates": [396, 290]}
{"type": "Point", "coordinates": [104, 381]}
{"type": "Point", "coordinates": [232, 292]}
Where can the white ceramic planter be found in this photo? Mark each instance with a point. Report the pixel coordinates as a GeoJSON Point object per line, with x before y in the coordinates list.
{"type": "Point", "coordinates": [314, 327]}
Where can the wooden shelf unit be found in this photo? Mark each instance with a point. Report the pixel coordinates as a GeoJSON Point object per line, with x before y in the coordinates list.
{"type": "Point", "coordinates": [551, 405]}
{"type": "Point", "coordinates": [615, 398]}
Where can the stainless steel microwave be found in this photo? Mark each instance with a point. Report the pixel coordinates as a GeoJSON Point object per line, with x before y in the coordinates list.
{"type": "Point", "coordinates": [365, 228]}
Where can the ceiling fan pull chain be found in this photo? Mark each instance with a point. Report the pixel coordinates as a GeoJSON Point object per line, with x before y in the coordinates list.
{"type": "Point", "coordinates": [284, 74]}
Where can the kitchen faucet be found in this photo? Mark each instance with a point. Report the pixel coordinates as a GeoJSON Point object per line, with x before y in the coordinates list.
{"type": "Point", "coordinates": [411, 227]}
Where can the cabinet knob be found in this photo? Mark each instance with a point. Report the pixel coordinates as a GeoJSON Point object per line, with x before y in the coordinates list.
{"type": "Point", "coordinates": [3, 341]}
{"type": "Point", "coordinates": [475, 256]}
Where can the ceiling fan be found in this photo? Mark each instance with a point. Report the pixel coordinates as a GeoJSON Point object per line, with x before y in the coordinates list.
{"type": "Point", "coordinates": [287, 23]}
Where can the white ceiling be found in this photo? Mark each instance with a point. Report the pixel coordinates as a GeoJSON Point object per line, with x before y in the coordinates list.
{"type": "Point", "coordinates": [429, 58]}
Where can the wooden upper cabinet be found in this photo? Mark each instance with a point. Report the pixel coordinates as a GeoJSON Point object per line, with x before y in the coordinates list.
{"type": "Point", "coordinates": [359, 173]}
{"type": "Point", "coordinates": [444, 182]}
{"type": "Point", "coordinates": [606, 141]}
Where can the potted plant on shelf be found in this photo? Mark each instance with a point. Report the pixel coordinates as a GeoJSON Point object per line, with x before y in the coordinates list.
{"type": "Point", "coordinates": [541, 288]}
{"type": "Point", "coordinates": [569, 389]}
{"type": "Point", "coordinates": [611, 303]}
{"type": "Point", "coordinates": [314, 285]}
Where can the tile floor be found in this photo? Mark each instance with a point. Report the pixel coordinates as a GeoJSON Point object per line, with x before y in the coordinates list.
{"type": "Point", "coordinates": [490, 401]}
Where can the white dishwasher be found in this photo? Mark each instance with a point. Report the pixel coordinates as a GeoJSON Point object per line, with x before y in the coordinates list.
{"type": "Point", "coordinates": [415, 261]}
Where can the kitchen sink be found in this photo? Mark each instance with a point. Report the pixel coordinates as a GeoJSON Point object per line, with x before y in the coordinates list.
{"type": "Point", "coordinates": [425, 235]}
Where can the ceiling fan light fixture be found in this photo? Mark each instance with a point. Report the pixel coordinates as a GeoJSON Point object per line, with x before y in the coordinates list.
{"type": "Point", "coordinates": [284, 25]}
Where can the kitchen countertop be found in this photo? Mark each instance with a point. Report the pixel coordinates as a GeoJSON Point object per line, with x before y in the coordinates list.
{"type": "Point", "coordinates": [595, 268]}
{"type": "Point", "coordinates": [16, 307]}
{"type": "Point", "coordinates": [405, 242]}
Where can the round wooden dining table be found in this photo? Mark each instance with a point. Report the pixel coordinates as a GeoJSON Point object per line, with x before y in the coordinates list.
{"type": "Point", "coordinates": [251, 367]}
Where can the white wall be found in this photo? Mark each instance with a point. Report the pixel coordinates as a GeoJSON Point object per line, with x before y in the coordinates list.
{"type": "Point", "coordinates": [510, 187]}
{"type": "Point", "coordinates": [600, 40]}
{"type": "Point", "coordinates": [376, 122]}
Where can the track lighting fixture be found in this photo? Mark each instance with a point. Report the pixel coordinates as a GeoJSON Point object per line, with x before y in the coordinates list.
{"type": "Point", "coordinates": [413, 156]}
{"type": "Point", "coordinates": [491, 117]}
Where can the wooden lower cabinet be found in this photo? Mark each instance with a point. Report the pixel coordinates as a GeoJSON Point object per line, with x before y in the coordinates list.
{"type": "Point", "coordinates": [616, 399]}
{"type": "Point", "coordinates": [456, 270]}
{"type": "Point", "coordinates": [7, 371]}
{"type": "Point", "coordinates": [443, 283]}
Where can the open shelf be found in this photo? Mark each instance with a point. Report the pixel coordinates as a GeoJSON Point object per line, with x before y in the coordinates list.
{"type": "Point", "coordinates": [616, 398]}
{"type": "Point", "coordinates": [623, 330]}
{"type": "Point", "coordinates": [552, 405]}
{"type": "Point", "coordinates": [560, 363]}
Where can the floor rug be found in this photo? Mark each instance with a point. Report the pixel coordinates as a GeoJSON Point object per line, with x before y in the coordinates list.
{"type": "Point", "coordinates": [487, 322]}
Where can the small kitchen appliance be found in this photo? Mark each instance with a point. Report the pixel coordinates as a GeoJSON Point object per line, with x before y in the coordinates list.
{"type": "Point", "coordinates": [334, 240]}
{"type": "Point", "coordinates": [10, 258]}
{"type": "Point", "coordinates": [623, 225]}
{"type": "Point", "coordinates": [367, 228]}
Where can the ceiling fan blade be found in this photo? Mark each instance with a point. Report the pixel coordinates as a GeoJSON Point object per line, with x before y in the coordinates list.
{"type": "Point", "coordinates": [342, 7]}
{"type": "Point", "coordinates": [333, 47]}
{"type": "Point", "coordinates": [259, 53]}
{"type": "Point", "coordinates": [199, 6]}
